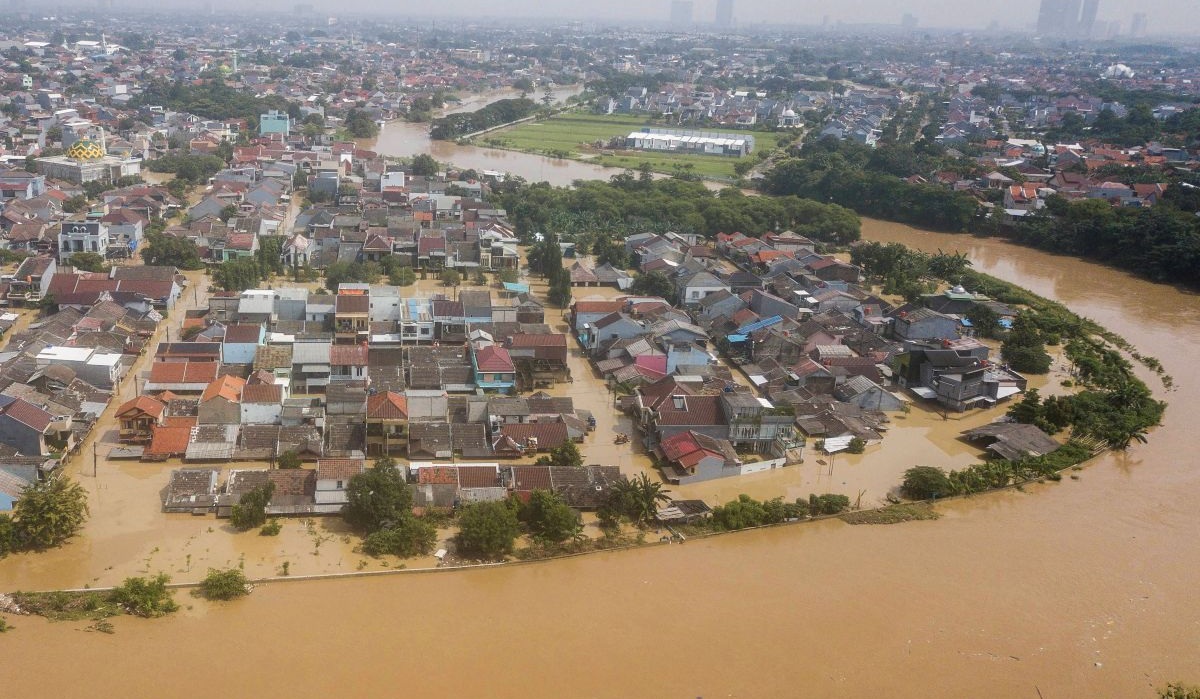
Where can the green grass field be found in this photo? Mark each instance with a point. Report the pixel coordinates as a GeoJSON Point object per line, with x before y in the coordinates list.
{"type": "Point", "coordinates": [570, 135]}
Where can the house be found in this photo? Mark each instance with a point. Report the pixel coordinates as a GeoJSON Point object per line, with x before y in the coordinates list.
{"type": "Point", "coordinates": [311, 367]}
{"type": "Point", "coordinates": [614, 326]}
{"type": "Point", "coordinates": [352, 317]}
{"type": "Point", "coordinates": [691, 457]}
{"type": "Point", "coordinates": [181, 377]}
{"type": "Point", "coordinates": [220, 404]}
{"type": "Point", "coordinates": [387, 416]}
{"type": "Point", "coordinates": [696, 287]}
{"type": "Point", "coordinates": [82, 236]}
{"type": "Point", "coordinates": [923, 324]}
{"type": "Point", "coordinates": [333, 480]}
{"type": "Point", "coordinates": [261, 404]}
{"type": "Point", "coordinates": [11, 485]}
{"type": "Point", "coordinates": [539, 357]}
{"type": "Point", "coordinates": [348, 362]}
{"type": "Point", "coordinates": [493, 367]}
{"type": "Point", "coordinates": [24, 426]}
{"type": "Point", "coordinates": [31, 281]}
{"type": "Point", "coordinates": [755, 423]}
{"type": "Point", "coordinates": [138, 417]}
{"type": "Point", "coordinates": [241, 342]}
{"type": "Point", "coordinates": [1013, 440]}
{"type": "Point", "coordinates": [865, 393]}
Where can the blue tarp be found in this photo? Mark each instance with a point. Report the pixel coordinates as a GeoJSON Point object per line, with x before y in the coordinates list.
{"type": "Point", "coordinates": [759, 325]}
{"type": "Point", "coordinates": [1005, 322]}
{"type": "Point", "coordinates": [737, 338]}
{"type": "Point", "coordinates": [966, 322]}
{"type": "Point", "coordinates": [516, 288]}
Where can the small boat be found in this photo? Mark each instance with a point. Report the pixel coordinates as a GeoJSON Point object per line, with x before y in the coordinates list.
{"type": "Point", "coordinates": [621, 439]}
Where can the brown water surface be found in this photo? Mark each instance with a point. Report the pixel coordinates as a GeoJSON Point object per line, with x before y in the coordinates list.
{"type": "Point", "coordinates": [1079, 589]}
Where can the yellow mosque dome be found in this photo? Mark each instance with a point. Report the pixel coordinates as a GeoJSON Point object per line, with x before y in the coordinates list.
{"type": "Point", "coordinates": [85, 149]}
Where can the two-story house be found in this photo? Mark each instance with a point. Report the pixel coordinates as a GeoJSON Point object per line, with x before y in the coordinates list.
{"type": "Point", "coordinates": [82, 236]}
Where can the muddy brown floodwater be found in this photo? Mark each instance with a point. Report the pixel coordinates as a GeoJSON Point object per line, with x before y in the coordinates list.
{"type": "Point", "coordinates": [1083, 588]}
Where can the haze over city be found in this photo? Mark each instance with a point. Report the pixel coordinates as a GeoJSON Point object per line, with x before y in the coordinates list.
{"type": "Point", "coordinates": [1164, 17]}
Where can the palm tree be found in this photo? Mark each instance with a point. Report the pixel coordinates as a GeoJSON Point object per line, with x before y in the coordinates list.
{"type": "Point", "coordinates": [638, 498]}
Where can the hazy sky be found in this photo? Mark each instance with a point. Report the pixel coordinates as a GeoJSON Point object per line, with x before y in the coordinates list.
{"type": "Point", "coordinates": [1165, 16]}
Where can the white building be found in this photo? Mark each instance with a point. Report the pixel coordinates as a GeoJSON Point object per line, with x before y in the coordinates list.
{"type": "Point", "coordinates": [82, 236]}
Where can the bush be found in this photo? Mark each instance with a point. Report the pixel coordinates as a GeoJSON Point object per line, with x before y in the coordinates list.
{"type": "Point", "coordinates": [925, 482]}
{"type": "Point", "coordinates": [289, 459]}
{"type": "Point", "coordinates": [271, 528]}
{"type": "Point", "coordinates": [224, 584]}
{"type": "Point", "coordinates": [828, 504]}
{"type": "Point", "coordinates": [48, 513]}
{"type": "Point", "coordinates": [410, 537]}
{"type": "Point", "coordinates": [146, 597]}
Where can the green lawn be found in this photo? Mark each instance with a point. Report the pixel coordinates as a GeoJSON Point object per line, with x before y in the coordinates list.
{"type": "Point", "coordinates": [571, 134]}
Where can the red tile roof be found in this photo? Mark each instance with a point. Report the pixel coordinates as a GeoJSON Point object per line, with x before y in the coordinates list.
{"type": "Point", "coordinates": [538, 340]}
{"type": "Point", "coordinates": [549, 435]}
{"type": "Point", "coordinates": [494, 358]}
{"type": "Point", "coordinates": [26, 413]}
{"type": "Point", "coordinates": [145, 404]}
{"type": "Point", "coordinates": [227, 387]}
{"type": "Point", "coordinates": [598, 306]}
{"type": "Point", "coordinates": [169, 441]}
{"type": "Point", "coordinates": [183, 372]}
{"type": "Point", "coordinates": [387, 406]}
{"type": "Point", "coordinates": [338, 469]}
{"type": "Point", "coordinates": [262, 393]}
{"type": "Point", "coordinates": [348, 355]}
{"type": "Point", "coordinates": [531, 478]}
{"type": "Point", "coordinates": [438, 475]}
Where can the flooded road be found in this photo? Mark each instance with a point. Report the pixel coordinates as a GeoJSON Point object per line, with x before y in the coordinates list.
{"type": "Point", "coordinates": [1078, 589]}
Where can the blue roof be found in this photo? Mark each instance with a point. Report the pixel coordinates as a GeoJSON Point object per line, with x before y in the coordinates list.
{"type": "Point", "coordinates": [516, 288]}
{"type": "Point", "coordinates": [966, 322]}
{"type": "Point", "coordinates": [1005, 322]}
{"type": "Point", "coordinates": [737, 338]}
{"type": "Point", "coordinates": [759, 325]}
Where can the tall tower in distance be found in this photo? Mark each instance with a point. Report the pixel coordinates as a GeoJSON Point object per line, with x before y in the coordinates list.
{"type": "Point", "coordinates": [1137, 27]}
{"type": "Point", "coordinates": [1087, 20]}
{"type": "Point", "coordinates": [725, 14]}
{"type": "Point", "coordinates": [681, 13]}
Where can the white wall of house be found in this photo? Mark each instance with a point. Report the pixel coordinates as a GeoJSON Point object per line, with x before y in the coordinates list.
{"type": "Point", "coordinates": [261, 413]}
{"type": "Point", "coordinates": [331, 492]}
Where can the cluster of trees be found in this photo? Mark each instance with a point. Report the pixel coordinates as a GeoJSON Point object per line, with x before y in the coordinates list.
{"type": "Point", "coordinates": [747, 512]}
{"type": "Point", "coordinates": [1024, 346]}
{"type": "Point", "coordinates": [212, 99]}
{"type": "Point", "coordinates": [566, 454]}
{"type": "Point", "coordinates": [868, 186]}
{"type": "Point", "coordinates": [635, 500]}
{"type": "Point", "coordinates": [191, 169]}
{"type": "Point", "coordinates": [906, 272]}
{"type": "Point", "coordinates": [48, 513]}
{"type": "Point", "coordinates": [545, 258]}
{"type": "Point", "coordinates": [1161, 242]}
{"type": "Point", "coordinates": [251, 509]}
{"type": "Point", "coordinates": [636, 203]}
{"type": "Point", "coordinates": [1136, 128]}
{"type": "Point", "coordinates": [248, 272]}
{"type": "Point", "coordinates": [171, 251]}
{"type": "Point", "coordinates": [452, 126]}
{"type": "Point", "coordinates": [653, 284]}
{"type": "Point", "coordinates": [929, 482]}
{"type": "Point", "coordinates": [379, 506]}
{"type": "Point", "coordinates": [360, 125]}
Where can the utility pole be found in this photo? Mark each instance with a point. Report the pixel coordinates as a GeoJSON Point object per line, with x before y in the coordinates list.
{"type": "Point", "coordinates": [95, 458]}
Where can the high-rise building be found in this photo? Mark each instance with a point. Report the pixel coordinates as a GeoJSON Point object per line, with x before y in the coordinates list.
{"type": "Point", "coordinates": [1067, 19]}
{"type": "Point", "coordinates": [908, 21]}
{"type": "Point", "coordinates": [681, 13]}
{"type": "Point", "coordinates": [1087, 20]}
{"type": "Point", "coordinates": [1137, 27]}
{"type": "Point", "coordinates": [725, 13]}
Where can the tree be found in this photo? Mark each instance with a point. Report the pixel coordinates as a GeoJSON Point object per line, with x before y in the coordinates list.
{"type": "Point", "coordinates": [638, 498]}
{"type": "Point", "coordinates": [567, 454]}
{"type": "Point", "coordinates": [423, 165]}
{"type": "Point", "coordinates": [985, 321]}
{"type": "Point", "coordinates": [410, 536]}
{"type": "Point", "coordinates": [251, 509]}
{"type": "Point", "coordinates": [75, 204]}
{"type": "Point", "coordinates": [377, 498]}
{"type": "Point", "coordinates": [88, 262]}
{"type": "Point", "coordinates": [488, 529]}
{"type": "Point", "coordinates": [224, 584]}
{"type": "Point", "coordinates": [451, 277]}
{"type": "Point", "coordinates": [857, 446]}
{"type": "Point", "coordinates": [359, 125]}
{"type": "Point", "coordinates": [1024, 347]}
{"type": "Point", "coordinates": [925, 482]}
{"type": "Point", "coordinates": [228, 212]}
{"type": "Point", "coordinates": [289, 459]}
{"type": "Point", "coordinates": [239, 274]}
{"type": "Point", "coordinates": [146, 597]}
{"type": "Point", "coordinates": [171, 252]}
{"type": "Point", "coordinates": [402, 276]}
{"type": "Point", "coordinates": [653, 284]}
{"type": "Point", "coordinates": [8, 536]}
{"type": "Point", "coordinates": [49, 512]}
{"type": "Point", "coordinates": [550, 518]}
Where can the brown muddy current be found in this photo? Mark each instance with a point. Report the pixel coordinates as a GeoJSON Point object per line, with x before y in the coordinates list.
{"type": "Point", "coordinates": [1084, 588]}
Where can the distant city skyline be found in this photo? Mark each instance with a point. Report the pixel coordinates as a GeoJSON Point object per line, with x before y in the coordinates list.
{"type": "Point", "coordinates": [1163, 17]}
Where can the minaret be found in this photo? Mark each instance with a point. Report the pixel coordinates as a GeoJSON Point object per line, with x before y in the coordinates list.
{"type": "Point", "coordinates": [235, 59]}
{"type": "Point", "coordinates": [104, 44]}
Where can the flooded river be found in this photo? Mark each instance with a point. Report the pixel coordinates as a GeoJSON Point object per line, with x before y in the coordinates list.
{"type": "Point", "coordinates": [1079, 589]}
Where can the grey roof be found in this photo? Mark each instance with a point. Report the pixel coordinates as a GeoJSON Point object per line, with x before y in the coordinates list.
{"type": "Point", "coordinates": [310, 353]}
